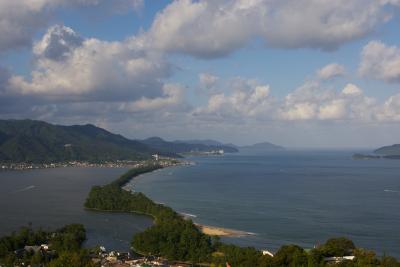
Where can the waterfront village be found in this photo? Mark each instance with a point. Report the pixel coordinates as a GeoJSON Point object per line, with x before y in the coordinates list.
{"type": "Point", "coordinates": [121, 259]}
{"type": "Point", "coordinates": [104, 258]}
{"type": "Point", "coordinates": [163, 161]}
{"type": "Point", "coordinates": [107, 259]}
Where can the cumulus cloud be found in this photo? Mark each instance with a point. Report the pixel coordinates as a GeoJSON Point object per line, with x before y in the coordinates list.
{"type": "Point", "coordinates": [207, 80]}
{"type": "Point", "coordinates": [172, 99]}
{"type": "Point", "coordinates": [20, 20]}
{"type": "Point", "coordinates": [215, 28]}
{"type": "Point", "coordinates": [331, 71]}
{"type": "Point", "coordinates": [312, 101]}
{"type": "Point", "coordinates": [57, 43]}
{"type": "Point", "coordinates": [70, 67]}
{"type": "Point", "coordinates": [352, 90]}
{"type": "Point", "coordinates": [250, 100]}
{"type": "Point", "coordinates": [391, 109]}
{"type": "Point", "coordinates": [379, 61]}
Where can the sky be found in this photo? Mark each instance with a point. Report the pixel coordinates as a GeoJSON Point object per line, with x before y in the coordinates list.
{"type": "Point", "coordinates": [298, 73]}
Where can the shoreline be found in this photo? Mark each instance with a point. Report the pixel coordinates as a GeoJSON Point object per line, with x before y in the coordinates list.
{"type": "Point", "coordinates": [205, 229]}
{"type": "Point", "coordinates": [221, 231]}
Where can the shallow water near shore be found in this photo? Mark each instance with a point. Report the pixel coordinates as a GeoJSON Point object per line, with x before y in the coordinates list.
{"type": "Point", "coordinates": [301, 197]}
{"type": "Point", "coordinates": [51, 198]}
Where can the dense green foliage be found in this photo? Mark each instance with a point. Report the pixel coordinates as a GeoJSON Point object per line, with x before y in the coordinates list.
{"type": "Point", "coordinates": [74, 258]}
{"type": "Point", "coordinates": [32, 141]}
{"type": "Point", "coordinates": [67, 240]}
{"type": "Point", "coordinates": [238, 256]}
{"type": "Point", "coordinates": [295, 256]}
{"type": "Point", "coordinates": [171, 236]}
{"type": "Point", "coordinates": [40, 142]}
{"type": "Point", "coordinates": [338, 247]}
{"type": "Point", "coordinates": [175, 239]}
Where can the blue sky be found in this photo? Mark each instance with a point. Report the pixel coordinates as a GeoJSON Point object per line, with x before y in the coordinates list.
{"type": "Point", "coordinates": [307, 73]}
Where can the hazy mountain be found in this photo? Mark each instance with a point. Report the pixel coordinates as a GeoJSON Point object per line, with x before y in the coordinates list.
{"type": "Point", "coordinates": [393, 150]}
{"type": "Point", "coordinates": [207, 142]}
{"type": "Point", "coordinates": [37, 141]}
{"type": "Point", "coordinates": [261, 147]}
{"type": "Point", "coordinates": [186, 146]}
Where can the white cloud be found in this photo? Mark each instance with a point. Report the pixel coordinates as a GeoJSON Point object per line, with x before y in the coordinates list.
{"type": "Point", "coordinates": [172, 99]}
{"type": "Point", "coordinates": [335, 109]}
{"type": "Point", "coordinates": [207, 80]}
{"type": "Point", "coordinates": [312, 101]}
{"type": "Point", "coordinates": [57, 43]}
{"type": "Point", "coordinates": [351, 90]}
{"type": "Point", "coordinates": [21, 19]}
{"type": "Point", "coordinates": [70, 67]}
{"type": "Point", "coordinates": [208, 28]}
{"type": "Point", "coordinates": [379, 61]}
{"type": "Point", "coordinates": [250, 101]}
{"type": "Point", "coordinates": [331, 71]}
{"type": "Point", "coordinates": [391, 109]}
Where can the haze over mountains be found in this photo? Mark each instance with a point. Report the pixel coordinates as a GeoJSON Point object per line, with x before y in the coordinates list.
{"type": "Point", "coordinates": [261, 147]}
{"type": "Point", "coordinates": [38, 142]}
{"type": "Point", "coordinates": [393, 150]}
{"type": "Point", "coordinates": [185, 147]}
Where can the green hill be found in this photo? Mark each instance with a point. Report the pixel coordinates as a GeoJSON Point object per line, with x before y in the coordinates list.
{"type": "Point", "coordinates": [261, 147]}
{"type": "Point", "coordinates": [38, 142]}
{"type": "Point", "coordinates": [393, 150]}
{"type": "Point", "coordinates": [185, 147]}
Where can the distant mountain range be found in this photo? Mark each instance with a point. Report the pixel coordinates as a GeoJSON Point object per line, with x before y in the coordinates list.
{"type": "Point", "coordinates": [207, 142]}
{"type": "Point", "coordinates": [187, 146]}
{"type": "Point", "coordinates": [261, 147]}
{"type": "Point", "coordinates": [40, 142]}
{"type": "Point", "coordinates": [385, 152]}
{"type": "Point", "coordinates": [393, 150]}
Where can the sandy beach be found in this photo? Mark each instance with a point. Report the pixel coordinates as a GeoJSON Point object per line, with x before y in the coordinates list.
{"type": "Point", "coordinates": [219, 231]}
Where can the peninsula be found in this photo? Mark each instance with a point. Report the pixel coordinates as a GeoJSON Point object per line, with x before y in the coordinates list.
{"type": "Point", "coordinates": [176, 238]}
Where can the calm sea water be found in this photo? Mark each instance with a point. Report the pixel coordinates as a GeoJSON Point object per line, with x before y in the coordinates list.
{"type": "Point", "coordinates": [301, 197]}
{"type": "Point", "coordinates": [51, 198]}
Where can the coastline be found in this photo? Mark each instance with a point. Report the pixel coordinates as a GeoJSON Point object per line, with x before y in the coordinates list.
{"type": "Point", "coordinates": [221, 231]}
{"type": "Point", "coordinates": [76, 164]}
{"type": "Point", "coordinates": [216, 230]}
{"type": "Point", "coordinates": [205, 229]}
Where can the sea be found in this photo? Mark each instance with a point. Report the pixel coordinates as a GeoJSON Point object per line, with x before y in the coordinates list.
{"type": "Point", "coordinates": [298, 197]}
{"type": "Point", "coordinates": [51, 198]}
{"type": "Point", "coordinates": [291, 197]}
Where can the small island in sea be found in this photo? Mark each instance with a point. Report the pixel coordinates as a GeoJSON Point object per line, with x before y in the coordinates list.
{"type": "Point", "coordinates": [386, 152]}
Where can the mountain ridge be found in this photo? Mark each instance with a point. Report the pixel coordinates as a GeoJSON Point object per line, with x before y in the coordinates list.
{"type": "Point", "coordinates": [33, 141]}
{"type": "Point", "coordinates": [39, 142]}
{"type": "Point", "coordinates": [262, 146]}
{"type": "Point", "coordinates": [183, 146]}
{"type": "Point", "coordinates": [391, 150]}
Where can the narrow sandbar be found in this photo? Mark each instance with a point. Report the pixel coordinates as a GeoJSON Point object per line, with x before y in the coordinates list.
{"type": "Point", "coordinates": [219, 231]}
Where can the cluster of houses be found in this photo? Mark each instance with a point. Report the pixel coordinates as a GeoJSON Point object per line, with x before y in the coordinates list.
{"type": "Point", "coordinates": [326, 259]}
{"type": "Point", "coordinates": [44, 248]}
{"type": "Point", "coordinates": [126, 259]}
{"type": "Point", "coordinates": [30, 166]}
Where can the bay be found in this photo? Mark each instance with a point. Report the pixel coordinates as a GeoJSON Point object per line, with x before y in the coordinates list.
{"type": "Point", "coordinates": [300, 197]}
{"type": "Point", "coordinates": [51, 198]}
